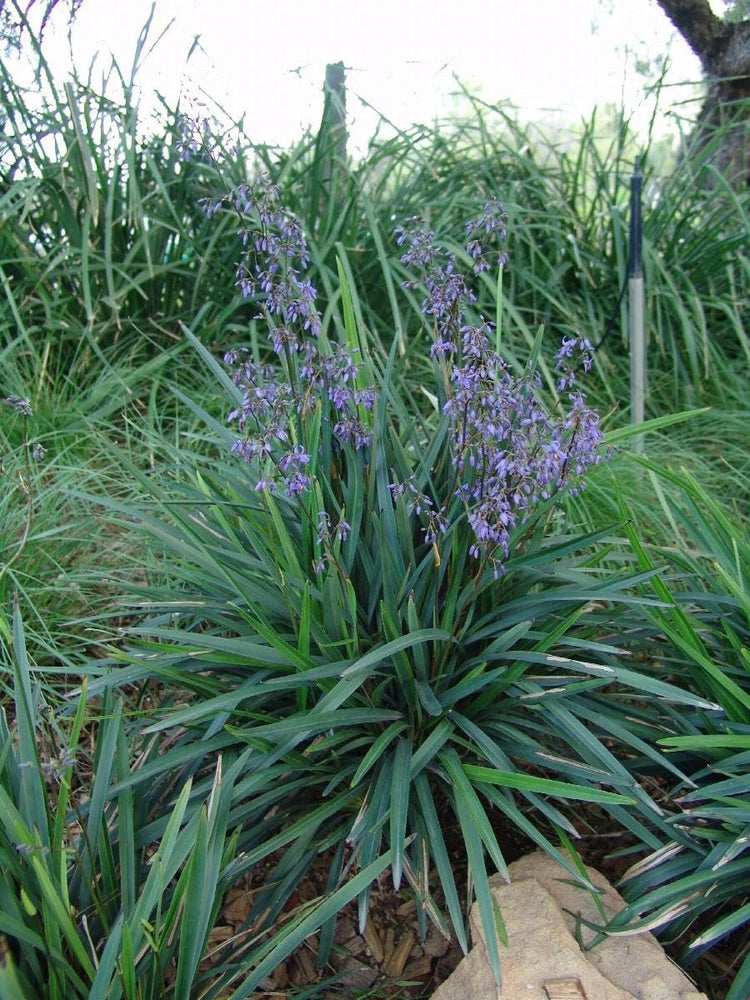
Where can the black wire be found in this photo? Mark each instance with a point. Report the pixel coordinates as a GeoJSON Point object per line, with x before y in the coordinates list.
{"type": "Point", "coordinates": [609, 326]}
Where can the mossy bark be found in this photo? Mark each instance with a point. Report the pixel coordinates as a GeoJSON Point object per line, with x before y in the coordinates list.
{"type": "Point", "coordinates": [723, 47]}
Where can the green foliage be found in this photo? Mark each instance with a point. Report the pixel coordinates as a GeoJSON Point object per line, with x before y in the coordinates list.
{"type": "Point", "coordinates": [39, 548]}
{"type": "Point", "coordinates": [94, 903]}
{"type": "Point", "coordinates": [699, 891]}
{"type": "Point", "coordinates": [400, 708]}
{"type": "Point", "coordinates": [737, 10]}
{"type": "Point", "coordinates": [103, 246]}
{"type": "Point", "coordinates": [398, 696]}
{"type": "Point", "coordinates": [566, 198]}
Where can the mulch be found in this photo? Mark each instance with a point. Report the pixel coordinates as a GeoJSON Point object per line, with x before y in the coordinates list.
{"type": "Point", "coordinates": [391, 961]}
{"type": "Point", "coordinates": [388, 959]}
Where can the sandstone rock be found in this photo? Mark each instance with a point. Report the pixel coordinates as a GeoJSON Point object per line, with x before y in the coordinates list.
{"type": "Point", "coordinates": [543, 945]}
{"type": "Point", "coordinates": [634, 962]}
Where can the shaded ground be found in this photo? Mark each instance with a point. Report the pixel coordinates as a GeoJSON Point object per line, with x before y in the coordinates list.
{"type": "Point", "coordinates": [391, 961]}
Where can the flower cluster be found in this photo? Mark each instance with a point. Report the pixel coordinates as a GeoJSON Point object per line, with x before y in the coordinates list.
{"type": "Point", "coordinates": [54, 769]}
{"type": "Point", "coordinates": [193, 133]}
{"type": "Point", "coordinates": [510, 452]}
{"type": "Point", "coordinates": [22, 406]}
{"type": "Point", "coordinates": [572, 348]}
{"type": "Point", "coordinates": [196, 136]}
{"type": "Point", "coordinates": [422, 505]}
{"type": "Point", "coordinates": [276, 398]}
{"type": "Point", "coordinates": [447, 286]}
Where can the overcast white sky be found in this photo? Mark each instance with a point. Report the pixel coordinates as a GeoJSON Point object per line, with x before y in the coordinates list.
{"type": "Point", "coordinates": [267, 58]}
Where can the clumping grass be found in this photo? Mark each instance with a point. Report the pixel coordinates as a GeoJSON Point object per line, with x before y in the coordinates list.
{"type": "Point", "coordinates": [89, 910]}
{"type": "Point", "coordinates": [700, 893]}
{"type": "Point", "coordinates": [46, 535]}
{"type": "Point", "coordinates": [329, 687]}
{"type": "Point", "coordinates": [58, 554]}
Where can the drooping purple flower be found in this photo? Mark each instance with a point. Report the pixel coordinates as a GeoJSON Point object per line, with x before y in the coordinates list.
{"type": "Point", "coordinates": [296, 484]}
{"type": "Point", "coordinates": [349, 429]}
{"type": "Point", "coordinates": [196, 138]}
{"type": "Point", "coordinates": [276, 399]}
{"type": "Point", "coordinates": [342, 530]}
{"type": "Point", "coordinates": [510, 452]}
{"type": "Point", "coordinates": [273, 261]}
{"type": "Point", "coordinates": [20, 405]}
{"type": "Point", "coordinates": [294, 459]}
{"type": "Point", "coordinates": [490, 223]}
{"type": "Point", "coordinates": [574, 353]}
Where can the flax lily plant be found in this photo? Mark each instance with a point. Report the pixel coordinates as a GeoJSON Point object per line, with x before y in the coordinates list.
{"type": "Point", "coordinates": [380, 599]}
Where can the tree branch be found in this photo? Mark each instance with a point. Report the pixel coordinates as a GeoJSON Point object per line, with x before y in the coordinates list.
{"type": "Point", "coordinates": [697, 24]}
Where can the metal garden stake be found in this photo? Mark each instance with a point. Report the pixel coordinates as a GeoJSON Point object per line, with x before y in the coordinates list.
{"type": "Point", "coordinates": [636, 312]}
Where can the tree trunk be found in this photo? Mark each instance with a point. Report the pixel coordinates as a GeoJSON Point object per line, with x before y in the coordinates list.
{"type": "Point", "coordinates": [332, 135]}
{"type": "Point", "coordinates": [723, 48]}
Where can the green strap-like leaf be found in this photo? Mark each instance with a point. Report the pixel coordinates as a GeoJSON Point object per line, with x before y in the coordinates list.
{"type": "Point", "coordinates": [400, 795]}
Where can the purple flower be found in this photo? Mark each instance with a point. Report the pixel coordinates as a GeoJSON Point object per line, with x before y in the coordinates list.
{"type": "Point", "coordinates": [294, 459]}
{"type": "Point", "coordinates": [276, 399]}
{"type": "Point", "coordinates": [324, 537]}
{"type": "Point", "coordinates": [340, 396]}
{"type": "Point", "coordinates": [342, 530]}
{"type": "Point", "coordinates": [273, 259]}
{"type": "Point", "coordinates": [296, 484]}
{"type": "Point", "coordinates": [365, 397]}
{"type": "Point", "coordinates": [510, 452]}
{"type": "Point", "coordinates": [20, 405]}
{"type": "Point", "coordinates": [349, 429]}
{"type": "Point", "coordinates": [490, 223]}
{"type": "Point", "coordinates": [574, 353]}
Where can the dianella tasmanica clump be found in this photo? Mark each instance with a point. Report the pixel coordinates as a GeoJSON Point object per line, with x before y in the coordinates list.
{"type": "Point", "coordinates": [504, 453]}
{"type": "Point", "coordinates": [402, 611]}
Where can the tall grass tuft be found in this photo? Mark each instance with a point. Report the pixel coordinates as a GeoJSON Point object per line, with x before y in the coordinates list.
{"type": "Point", "coordinates": [96, 902]}
{"type": "Point", "coordinates": [700, 893]}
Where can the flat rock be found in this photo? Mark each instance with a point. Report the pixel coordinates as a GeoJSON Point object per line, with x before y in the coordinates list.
{"type": "Point", "coordinates": [543, 910]}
